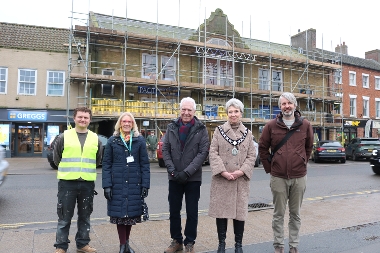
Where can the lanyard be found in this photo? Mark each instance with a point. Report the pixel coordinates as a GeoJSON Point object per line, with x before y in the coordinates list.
{"type": "Point", "coordinates": [130, 142]}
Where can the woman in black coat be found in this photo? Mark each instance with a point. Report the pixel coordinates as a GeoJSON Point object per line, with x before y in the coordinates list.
{"type": "Point", "coordinates": [126, 177]}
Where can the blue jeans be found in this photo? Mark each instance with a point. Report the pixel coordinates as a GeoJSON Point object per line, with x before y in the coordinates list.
{"type": "Point", "coordinates": [192, 191]}
{"type": "Point", "coordinates": [71, 192]}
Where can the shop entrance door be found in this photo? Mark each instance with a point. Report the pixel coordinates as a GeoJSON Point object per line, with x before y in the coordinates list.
{"type": "Point", "coordinates": [28, 140]}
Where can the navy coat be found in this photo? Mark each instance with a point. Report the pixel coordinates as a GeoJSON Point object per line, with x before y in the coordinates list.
{"type": "Point", "coordinates": [125, 179]}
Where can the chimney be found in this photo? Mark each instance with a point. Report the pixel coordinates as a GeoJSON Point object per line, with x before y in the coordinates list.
{"type": "Point", "coordinates": [373, 55]}
{"type": "Point", "coordinates": [309, 36]}
{"type": "Point", "coordinates": [342, 49]}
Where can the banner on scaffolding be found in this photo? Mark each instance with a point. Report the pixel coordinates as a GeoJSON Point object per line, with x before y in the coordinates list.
{"type": "Point", "coordinates": [164, 91]}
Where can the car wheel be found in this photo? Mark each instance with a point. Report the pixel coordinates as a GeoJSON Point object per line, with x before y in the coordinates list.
{"type": "Point", "coordinates": [343, 160]}
{"type": "Point", "coordinates": [161, 163]}
{"type": "Point", "coordinates": [53, 166]}
{"type": "Point", "coordinates": [316, 160]}
{"type": "Point", "coordinates": [376, 170]}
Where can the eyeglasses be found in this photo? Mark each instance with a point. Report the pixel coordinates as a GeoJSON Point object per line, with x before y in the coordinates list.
{"type": "Point", "coordinates": [126, 122]}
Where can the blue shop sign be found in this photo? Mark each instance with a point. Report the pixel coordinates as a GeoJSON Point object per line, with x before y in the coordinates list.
{"type": "Point", "coordinates": [27, 116]}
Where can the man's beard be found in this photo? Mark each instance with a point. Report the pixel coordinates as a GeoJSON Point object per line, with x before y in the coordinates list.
{"type": "Point", "coordinates": [288, 114]}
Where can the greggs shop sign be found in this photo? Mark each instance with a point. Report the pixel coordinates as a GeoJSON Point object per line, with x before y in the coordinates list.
{"type": "Point", "coordinates": [27, 116]}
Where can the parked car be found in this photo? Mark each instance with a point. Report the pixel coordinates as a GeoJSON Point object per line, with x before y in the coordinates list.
{"type": "Point", "coordinates": [50, 153]}
{"type": "Point", "coordinates": [359, 148]}
{"type": "Point", "coordinates": [374, 161]}
{"type": "Point", "coordinates": [3, 166]}
{"type": "Point", "coordinates": [160, 158]}
{"type": "Point", "coordinates": [328, 151]}
{"type": "Point", "coordinates": [103, 139]}
{"type": "Point", "coordinates": [257, 162]}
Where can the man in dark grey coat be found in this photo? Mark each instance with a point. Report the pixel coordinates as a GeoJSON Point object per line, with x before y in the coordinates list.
{"type": "Point", "coordinates": [184, 150]}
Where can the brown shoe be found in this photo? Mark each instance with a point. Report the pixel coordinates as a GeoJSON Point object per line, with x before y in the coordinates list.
{"type": "Point", "coordinates": [58, 250]}
{"type": "Point", "coordinates": [86, 249]}
{"type": "Point", "coordinates": [189, 248]}
{"type": "Point", "coordinates": [174, 247]}
{"type": "Point", "coordinates": [293, 250]}
{"type": "Point", "coordinates": [279, 250]}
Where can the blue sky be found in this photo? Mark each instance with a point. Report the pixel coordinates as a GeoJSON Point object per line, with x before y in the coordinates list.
{"type": "Point", "coordinates": [336, 21]}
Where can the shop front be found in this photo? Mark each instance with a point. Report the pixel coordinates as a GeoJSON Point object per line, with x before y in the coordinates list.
{"type": "Point", "coordinates": [28, 133]}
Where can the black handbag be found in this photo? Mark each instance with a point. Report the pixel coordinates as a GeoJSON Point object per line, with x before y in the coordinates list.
{"type": "Point", "coordinates": [278, 146]}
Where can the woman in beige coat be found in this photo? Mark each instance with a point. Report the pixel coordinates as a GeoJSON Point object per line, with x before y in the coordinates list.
{"type": "Point", "coordinates": [232, 158]}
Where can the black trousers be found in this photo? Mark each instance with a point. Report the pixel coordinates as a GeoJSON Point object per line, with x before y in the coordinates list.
{"type": "Point", "coordinates": [71, 192]}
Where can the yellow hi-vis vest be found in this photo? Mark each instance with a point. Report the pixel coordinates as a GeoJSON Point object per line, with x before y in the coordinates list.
{"type": "Point", "coordinates": [75, 163]}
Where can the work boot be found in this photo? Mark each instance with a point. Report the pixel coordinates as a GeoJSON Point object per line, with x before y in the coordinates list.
{"type": "Point", "coordinates": [189, 248]}
{"type": "Point", "coordinates": [86, 249]}
{"type": "Point", "coordinates": [238, 230]}
{"type": "Point", "coordinates": [174, 247]}
{"type": "Point", "coordinates": [279, 250]}
{"type": "Point", "coordinates": [58, 250]}
{"type": "Point", "coordinates": [293, 250]}
{"type": "Point", "coordinates": [221, 227]}
{"type": "Point", "coordinates": [128, 248]}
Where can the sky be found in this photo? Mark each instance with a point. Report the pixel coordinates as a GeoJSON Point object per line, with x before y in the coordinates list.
{"type": "Point", "coordinates": [336, 21]}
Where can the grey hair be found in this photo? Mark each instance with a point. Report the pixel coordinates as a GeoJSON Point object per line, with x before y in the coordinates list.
{"type": "Point", "coordinates": [289, 96]}
{"type": "Point", "coordinates": [135, 128]}
{"type": "Point", "coordinates": [235, 103]}
{"type": "Point", "coordinates": [188, 99]}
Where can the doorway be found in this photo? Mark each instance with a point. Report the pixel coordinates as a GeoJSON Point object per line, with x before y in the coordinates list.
{"type": "Point", "coordinates": [28, 140]}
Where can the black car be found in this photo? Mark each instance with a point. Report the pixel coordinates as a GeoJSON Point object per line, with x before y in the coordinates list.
{"type": "Point", "coordinates": [359, 148]}
{"type": "Point", "coordinates": [328, 151]}
{"type": "Point", "coordinates": [374, 161]}
{"type": "Point", "coordinates": [103, 139]}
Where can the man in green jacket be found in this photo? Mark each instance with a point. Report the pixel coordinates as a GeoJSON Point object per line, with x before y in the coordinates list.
{"type": "Point", "coordinates": [151, 142]}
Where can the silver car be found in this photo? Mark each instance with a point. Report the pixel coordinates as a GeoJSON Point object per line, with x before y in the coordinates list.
{"type": "Point", "coordinates": [3, 166]}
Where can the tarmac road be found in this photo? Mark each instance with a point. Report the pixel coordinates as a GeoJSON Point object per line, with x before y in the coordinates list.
{"type": "Point", "coordinates": [338, 222]}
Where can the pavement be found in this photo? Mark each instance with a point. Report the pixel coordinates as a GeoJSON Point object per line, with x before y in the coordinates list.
{"type": "Point", "coordinates": [349, 224]}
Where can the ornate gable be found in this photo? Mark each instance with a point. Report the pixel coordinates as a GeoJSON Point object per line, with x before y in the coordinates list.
{"type": "Point", "coordinates": [216, 27]}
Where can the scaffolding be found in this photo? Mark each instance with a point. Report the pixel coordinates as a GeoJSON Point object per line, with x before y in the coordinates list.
{"type": "Point", "coordinates": [145, 68]}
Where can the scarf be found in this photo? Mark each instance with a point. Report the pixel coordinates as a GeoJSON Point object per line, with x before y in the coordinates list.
{"type": "Point", "coordinates": [126, 138]}
{"type": "Point", "coordinates": [184, 131]}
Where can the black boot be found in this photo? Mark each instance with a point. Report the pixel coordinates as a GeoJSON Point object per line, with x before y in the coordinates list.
{"type": "Point", "coordinates": [238, 230]}
{"type": "Point", "coordinates": [122, 248]}
{"type": "Point", "coordinates": [128, 248]}
{"type": "Point", "coordinates": [221, 227]}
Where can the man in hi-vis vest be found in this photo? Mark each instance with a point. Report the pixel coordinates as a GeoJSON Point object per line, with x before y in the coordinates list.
{"type": "Point", "coordinates": [77, 153]}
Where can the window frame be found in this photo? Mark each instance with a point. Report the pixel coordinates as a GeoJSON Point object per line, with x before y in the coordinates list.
{"type": "Point", "coordinates": [365, 77]}
{"type": "Point", "coordinates": [338, 76]}
{"type": "Point", "coordinates": [377, 107]}
{"type": "Point", "coordinates": [353, 105]}
{"type": "Point", "coordinates": [219, 71]}
{"type": "Point", "coordinates": [5, 80]}
{"type": "Point", "coordinates": [263, 80]}
{"type": "Point", "coordinates": [352, 81]}
{"type": "Point", "coordinates": [48, 83]}
{"type": "Point", "coordinates": [377, 82]}
{"type": "Point", "coordinates": [102, 86]}
{"type": "Point", "coordinates": [165, 75]}
{"type": "Point", "coordinates": [25, 82]}
{"type": "Point", "coordinates": [365, 107]}
{"type": "Point", "coordinates": [148, 69]}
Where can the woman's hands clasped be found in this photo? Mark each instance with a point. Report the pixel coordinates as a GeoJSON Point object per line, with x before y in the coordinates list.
{"type": "Point", "coordinates": [232, 176]}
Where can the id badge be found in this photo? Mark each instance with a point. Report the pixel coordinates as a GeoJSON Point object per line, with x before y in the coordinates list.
{"type": "Point", "coordinates": [130, 159]}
